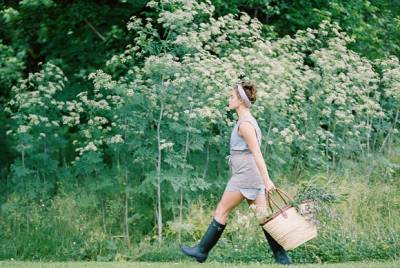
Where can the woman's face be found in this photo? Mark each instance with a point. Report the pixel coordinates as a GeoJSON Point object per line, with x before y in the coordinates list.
{"type": "Point", "coordinates": [234, 100]}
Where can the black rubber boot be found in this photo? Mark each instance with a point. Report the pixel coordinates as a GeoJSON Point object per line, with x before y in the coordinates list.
{"type": "Point", "coordinates": [279, 252]}
{"type": "Point", "coordinates": [210, 238]}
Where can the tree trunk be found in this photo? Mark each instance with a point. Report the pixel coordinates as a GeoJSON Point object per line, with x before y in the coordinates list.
{"type": "Point", "coordinates": [266, 140]}
{"type": "Point", "coordinates": [389, 132]}
{"type": "Point", "coordinates": [126, 209]}
{"type": "Point", "coordinates": [23, 165]}
{"type": "Point", "coordinates": [207, 160]}
{"type": "Point", "coordinates": [103, 214]}
{"type": "Point", "coordinates": [45, 152]}
{"type": "Point", "coordinates": [180, 216]}
{"type": "Point", "coordinates": [369, 124]}
{"type": "Point", "coordinates": [181, 190]}
{"type": "Point", "coordinates": [159, 214]}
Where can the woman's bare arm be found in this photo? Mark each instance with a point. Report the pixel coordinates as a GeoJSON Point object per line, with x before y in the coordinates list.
{"type": "Point", "coordinates": [248, 133]}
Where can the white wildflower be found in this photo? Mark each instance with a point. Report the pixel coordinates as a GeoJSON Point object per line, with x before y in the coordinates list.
{"type": "Point", "coordinates": [117, 139]}
{"type": "Point", "coordinates": [100, 120]}
{"type": "Point", "coordinates": [103, 104]}
{"type": "Point", "coordinates": [152, 4]}
{"type": "Point", "coordinates": [166, 145]}
{"type": "Point", "coordinates": [23, 129]}
{"type": "Point", "coordinates": [89, 147]}
{"type": "Point", "coordinates": [34, 119]}
{"type": "Point", "coordinates": [129, 92]}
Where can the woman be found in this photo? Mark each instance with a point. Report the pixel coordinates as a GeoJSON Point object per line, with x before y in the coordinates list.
{"type": "Point", "coordinates": [249, 179]}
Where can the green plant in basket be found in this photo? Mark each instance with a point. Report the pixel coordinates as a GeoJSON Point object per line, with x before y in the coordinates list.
{"type": "Point", "coordinates": [315, 197]}
{"type": "Point", "coordinates": [313, 200]}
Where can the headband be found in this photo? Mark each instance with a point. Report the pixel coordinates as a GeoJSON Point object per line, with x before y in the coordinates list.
{"type": "Point", "coordinates": [243, 95]}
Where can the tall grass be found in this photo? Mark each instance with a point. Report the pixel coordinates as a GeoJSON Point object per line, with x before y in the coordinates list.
{"type": "Point", "coordinates": [72, 227]}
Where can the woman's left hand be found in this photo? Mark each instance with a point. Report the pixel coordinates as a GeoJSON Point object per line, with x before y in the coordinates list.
{"type": "Point", "coordinates": [269, 186]}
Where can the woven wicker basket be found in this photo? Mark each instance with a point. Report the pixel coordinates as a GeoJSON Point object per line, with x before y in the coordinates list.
{"type": "Point", "coordinates": [287, 226]}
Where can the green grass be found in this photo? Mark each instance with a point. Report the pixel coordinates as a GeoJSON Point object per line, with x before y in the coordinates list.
{"type": "Point", "coordinates": [364, 227]}
{"type": "Point", "coordinates": [13, 264]}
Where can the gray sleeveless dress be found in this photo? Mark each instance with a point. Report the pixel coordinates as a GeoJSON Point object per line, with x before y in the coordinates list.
{"type": "Point", "coordinates": [246, 177]}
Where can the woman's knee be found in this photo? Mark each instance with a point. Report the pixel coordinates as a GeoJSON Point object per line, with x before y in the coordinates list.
{"type": "Point", "coordinates": [221, 211]}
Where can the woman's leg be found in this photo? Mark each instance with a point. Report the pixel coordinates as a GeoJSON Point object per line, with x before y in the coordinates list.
{"type": "Point", "coordinates": [279, 252]}
{"type": "Point", "coordinates": [260, 201]}
{"type": "Point", "coordinates": [229, 200]}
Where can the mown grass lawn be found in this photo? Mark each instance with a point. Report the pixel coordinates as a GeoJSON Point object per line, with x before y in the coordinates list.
{"type": "Point", "coordinates": [20, 264]}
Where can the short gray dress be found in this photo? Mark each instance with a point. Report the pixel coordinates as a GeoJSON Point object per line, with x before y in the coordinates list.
{"type": "Point", "coordinates": [246, 177]}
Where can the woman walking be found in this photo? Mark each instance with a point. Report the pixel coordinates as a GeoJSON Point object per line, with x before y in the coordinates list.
{"type": "Point", "coordinates": [249, 180]}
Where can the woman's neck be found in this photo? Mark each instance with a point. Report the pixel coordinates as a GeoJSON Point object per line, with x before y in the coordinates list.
{"type": "Point", "coordinates": [243, 112]}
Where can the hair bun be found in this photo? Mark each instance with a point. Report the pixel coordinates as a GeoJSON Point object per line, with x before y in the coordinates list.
{"type": "Point", "coordinates": [250, 90]}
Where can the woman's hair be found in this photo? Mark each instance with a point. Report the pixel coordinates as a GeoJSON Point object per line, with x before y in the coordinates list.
{"type": "Point", "coordinates": [250, 90]}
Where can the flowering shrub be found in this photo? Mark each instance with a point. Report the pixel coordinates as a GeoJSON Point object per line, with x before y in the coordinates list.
{"type": "Point", "coordinates": [11, 66]}
{"type": "Point", "coordinates": [316, 98]}
{"type": "Point", "coordinates": [36, 130]}
{"type": "Point", "coordinates": [160, 106]}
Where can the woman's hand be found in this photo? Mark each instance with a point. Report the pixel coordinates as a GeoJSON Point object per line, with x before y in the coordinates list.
{"type": "Point", "coordinates": [269, 185]}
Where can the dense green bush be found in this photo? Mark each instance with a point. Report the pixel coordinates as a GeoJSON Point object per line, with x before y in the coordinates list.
{"type": "Point", "coordinates": [127, 158]}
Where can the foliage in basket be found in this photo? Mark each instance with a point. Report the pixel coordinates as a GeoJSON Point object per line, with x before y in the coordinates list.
{"type": "Point", "coordinates": [315, 197]}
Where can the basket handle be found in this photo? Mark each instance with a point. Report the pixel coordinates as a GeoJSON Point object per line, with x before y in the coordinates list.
{"type": "Point", "coordinates": [280, 192]}
{"type": "Point", "coordinates": [269, 199]}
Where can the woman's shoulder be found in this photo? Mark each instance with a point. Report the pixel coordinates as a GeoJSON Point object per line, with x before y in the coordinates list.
{"type": "Point", "coordinates": [250, 119]}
